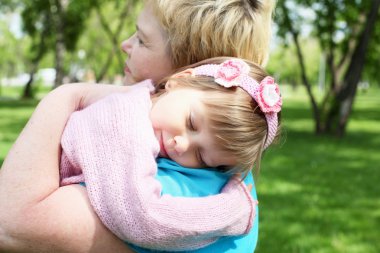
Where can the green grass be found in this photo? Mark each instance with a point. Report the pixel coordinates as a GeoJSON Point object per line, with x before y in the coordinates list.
{"type": "Point", "coordinates": [13, 117]}
{"type": "Point", "coordinates": [317, 194]}
{"type": "Point", "coordinates": [14, 113]}
{"type": "Point", "coordinates": [320, 194]}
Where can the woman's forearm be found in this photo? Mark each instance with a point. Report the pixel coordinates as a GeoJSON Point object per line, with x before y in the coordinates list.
{"type": "Point", "coordinates": [30, 171]}
{"type": "Point", "coordinates": [29, 177]}
{"type": "Point", "coordinates": [63, 222]}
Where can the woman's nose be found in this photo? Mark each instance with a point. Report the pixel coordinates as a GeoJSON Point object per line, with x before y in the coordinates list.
{"type": "Point", "coordinates": [126, 45]}
{"type": "Point", "coordinates": [181, 144]}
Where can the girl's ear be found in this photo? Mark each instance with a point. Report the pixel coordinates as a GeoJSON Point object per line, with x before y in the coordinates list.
{"type": "Point", "coordinates": [173, 83]}
{"type": "Point", "coordinates": [185, 73]}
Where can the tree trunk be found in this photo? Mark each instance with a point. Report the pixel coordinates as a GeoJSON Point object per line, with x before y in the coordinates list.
{"type": "Point", "coordinates": [342, 104]}
{"type": "Point", "coordinates": [305, 80]}
{"type": "Point", "coordinates": [28, 89]}
{"type": "Point", "coordinates": [58, 18]}
{"type": "Point", "coordinates": [306, 83]}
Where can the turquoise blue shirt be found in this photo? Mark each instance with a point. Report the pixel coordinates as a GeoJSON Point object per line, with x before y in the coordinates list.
{"type": "Point", "coordinates": [180, 181]}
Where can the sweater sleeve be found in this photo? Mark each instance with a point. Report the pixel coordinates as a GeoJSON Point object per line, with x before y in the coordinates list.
{"type": "Point", "coordinates": [113, 143]}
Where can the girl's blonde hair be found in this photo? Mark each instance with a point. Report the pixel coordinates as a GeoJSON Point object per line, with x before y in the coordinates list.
{"type": "Point", "coordinates": [199, 30]}
{"type": "Point", "coordinates": [238, 124]}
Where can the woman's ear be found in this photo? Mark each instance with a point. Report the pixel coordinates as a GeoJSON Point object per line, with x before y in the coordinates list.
{"type": "Point", "coordinates": [173, 83]}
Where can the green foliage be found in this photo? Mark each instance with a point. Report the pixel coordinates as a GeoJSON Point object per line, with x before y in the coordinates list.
{"type": "Point", "coordinates": [320, 194]}
{"type": "Point", "coordinates": [75, 19]}
{"type": "Point", "coordinates": [344, 30]}
{"type": "Point", "coordinates": [9, 5]}
{"type": "Point", "coordinates": [13, 117]}
{"type": "Point", "coordinates": [95, 43]}
{"type": "Point", "coordinates": [39, 18]}
{"type": "Point", "coordinates": [12, 50]}
{"type": "Point", "coordinates": [284, 65]}
{"type": "Point", "coordinates": [87, 45]}
{"type": "Point", "coordinates": [371, 71]}
{"type": "Point", "coordinates": [336, 26]}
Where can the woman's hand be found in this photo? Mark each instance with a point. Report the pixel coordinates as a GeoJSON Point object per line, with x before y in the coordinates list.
{"type": "Point", "coordinates": [90, 93]}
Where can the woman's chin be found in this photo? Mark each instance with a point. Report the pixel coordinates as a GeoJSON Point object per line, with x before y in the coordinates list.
{"type": "Point", "coordinates": [128, 79]}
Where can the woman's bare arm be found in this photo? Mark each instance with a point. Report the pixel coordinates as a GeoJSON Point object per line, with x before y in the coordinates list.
{"type": "Point", "coordinates": [63, 222]}
{"type": "Point", "coordinates": [35, 214]}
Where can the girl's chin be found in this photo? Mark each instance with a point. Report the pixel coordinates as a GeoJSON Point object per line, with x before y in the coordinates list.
{"type": "Point", "coordinates": [163, 154]}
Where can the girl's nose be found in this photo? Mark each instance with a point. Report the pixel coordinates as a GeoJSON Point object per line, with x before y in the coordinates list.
{"type": "Point", "coordinates": [181, 144]}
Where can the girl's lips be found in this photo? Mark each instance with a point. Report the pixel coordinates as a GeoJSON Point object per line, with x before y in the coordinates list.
{"type": "Point", "coordinates": [163, 152]}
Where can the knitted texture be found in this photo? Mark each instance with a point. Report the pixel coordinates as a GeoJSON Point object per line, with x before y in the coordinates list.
{"type": "Point", "coordinates": [236, 73]}
{"type": "Point", "coordinates": [112, 142]}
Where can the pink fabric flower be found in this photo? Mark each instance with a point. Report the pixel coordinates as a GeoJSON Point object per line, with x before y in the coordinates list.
{"type": "Point", "coordinates": [230, 72]}
{"type": "Point", "coordinates": [268, 96]}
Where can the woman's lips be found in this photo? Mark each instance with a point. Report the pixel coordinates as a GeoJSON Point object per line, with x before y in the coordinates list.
{"type": "Point", "coordinates": [127, 70]}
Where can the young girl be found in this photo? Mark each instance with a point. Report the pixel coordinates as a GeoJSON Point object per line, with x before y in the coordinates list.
{"type": "Point", "coordinates": [162, 29]}
{"type": "Point", "coordinates": [221, 113]}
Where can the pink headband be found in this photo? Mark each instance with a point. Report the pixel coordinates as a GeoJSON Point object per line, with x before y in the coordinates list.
{"type": "Point", "coordinates": [266, 93]}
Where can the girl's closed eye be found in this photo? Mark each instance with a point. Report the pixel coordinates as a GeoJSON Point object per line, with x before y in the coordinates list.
{"type": "Point", "coordinates": [191, 124]}
{"type": "Point", "coordinates": [192, 127]}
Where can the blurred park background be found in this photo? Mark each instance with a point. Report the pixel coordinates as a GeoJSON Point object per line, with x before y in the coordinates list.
{"type": "Point", "coordinates": [319, 188]}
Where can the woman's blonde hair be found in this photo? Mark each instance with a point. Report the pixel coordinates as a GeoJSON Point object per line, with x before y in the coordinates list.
{"type": "Point", "coordinates": [236, 121]}
{"type": "Point", "coordinates": [199, 30]}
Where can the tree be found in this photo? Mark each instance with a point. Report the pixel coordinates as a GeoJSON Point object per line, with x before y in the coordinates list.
{"type": "Point", "coordinates": [371, 70]}
{"type": "Point", "coordinates": [283, 65]}
{"type": "Point", "coordinates": [344, 30]}
{"type": "Point", "coordinates": [114, 37]}
{"type": "Point", "coordinates": [53, 25]}
{"type": "Point", "coordinates": [12, 46]}
{"type": "Point", "coordinates": [11, 51]}
{"type": "Point", "coordinates": [107, 26]}
{"type": "Point", "coordinates": [53, 29]}
{"type": "Point", "coordinates": [8, 5]}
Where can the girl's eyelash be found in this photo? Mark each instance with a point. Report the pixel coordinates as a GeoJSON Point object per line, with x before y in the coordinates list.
{"type": "Point", "coordinates": [191, 124]}
{"type": "Point", "coordinates": [198, 153]}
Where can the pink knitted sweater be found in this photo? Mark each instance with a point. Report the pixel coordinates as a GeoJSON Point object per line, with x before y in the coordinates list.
{"type": "Point", "coordinates": [113, 144]}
